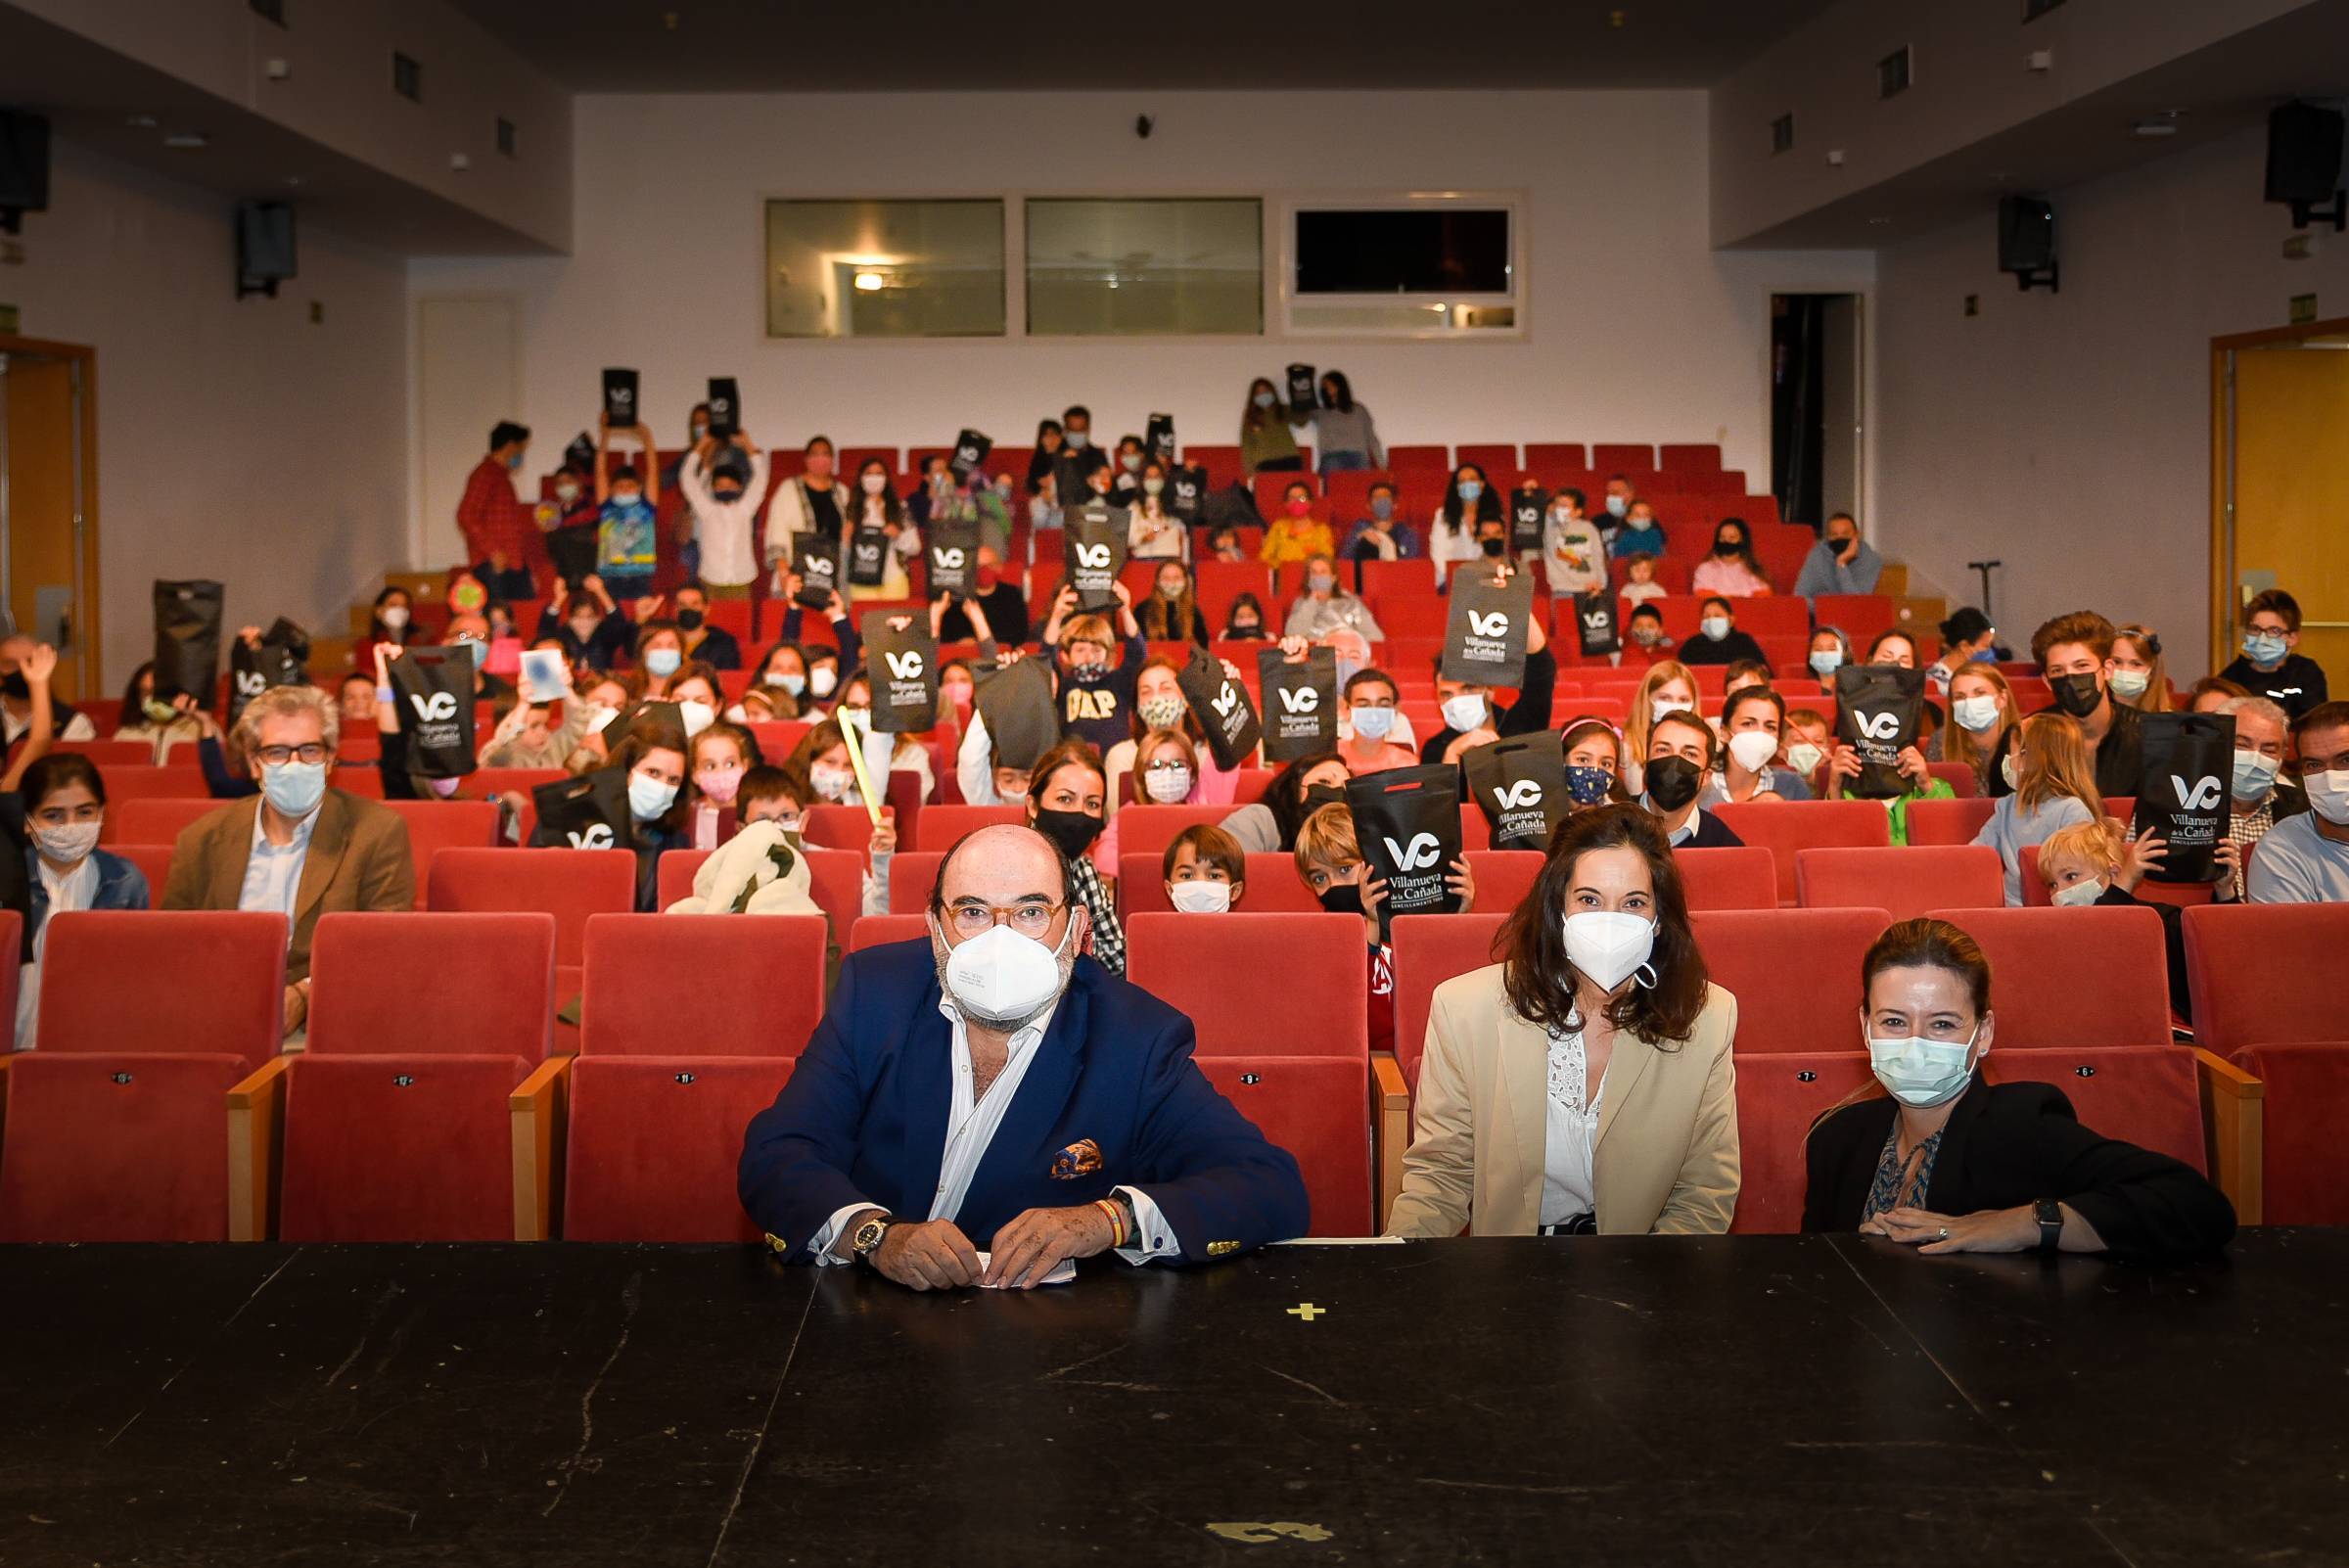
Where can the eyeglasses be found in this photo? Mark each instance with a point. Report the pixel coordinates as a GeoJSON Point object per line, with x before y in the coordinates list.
{"type": "Point", "coordinates": [1030, 917]}
{"type": "Point", "coordinates": [280, 755]}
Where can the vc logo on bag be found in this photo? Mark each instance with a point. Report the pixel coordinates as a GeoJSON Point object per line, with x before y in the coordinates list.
{"type": "Point", "coordinates": [1598, 619]}
{"type": "Point", "coordinates": [1525, 792]}
{"type": "Point", "coordinates": [2199, 796]}
{"type": "Point", "coordinates": [906, 666]}
{"type": "Point", "coordinates": [1423, 850]}
{"type": "Point", "coordinates": [440, 705]}
{"type": "Point", "coordinates": [1300, 699]}
{"type": "Point", "coordinates": [1492, 623]}
{"type": "Point", "coordinates": [598, 837]}
{"type": "Point", "coordinates": [1093, 557]}
{"type": "Point", "coordinates": [252, 683]}
{"type": "Point", "coordinates": [1227, 700]}
{"type": "Point", "coordinates": [951, 556]}
{"type": "Point", "coordinates": [1878, 726]}
{"type": "Point", "coordinates": [966, 454]}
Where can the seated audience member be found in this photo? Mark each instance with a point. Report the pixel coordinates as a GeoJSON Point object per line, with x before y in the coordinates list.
{"type": "Point", "coordinates": [1644, 640]}
{"type": "Point", "coordinates": [152, 716]}
{"type": "Point", "coordinates": [1453, 533]}
{"type": "Point", "coordinates": [1574, 552]}
{"type": "Point", "coordinates": [1744, 674]}
{"type": "Point", "coordinates": [528, 735]}
{"type": "Point", "coordinates": [1752, 722]}
{"type": "Point", "coordinates": [1342, 429]}
{"type": "Point", "coordinates": [1330, 862]}
{"type": "Point", "coordinates": [814, 501]}
{"type": "Point", "coordinates": [1267, 446]}
{"type": "Point", "coordinates": [906, 753]}
{"type": "Point", "coordinates": [2075, 651]}
{"type": "Point", "coordinates": [695, 691]}
{"type": "Point", "coordinates": [1002, 999]}
{"type": "Point", "coordinates": [1718, 640]}
{"type": "Point", "coordinates": [58, 809]}
{"type": "Point", "coordinates": [1601, 970]}
{"type": "Point", "coordinates": [1966, 637]}
{"type": "Point", "coordinates": [1165, 770]}
{"type": "Point", "coordinates": [2269, 666]}
{"type": "Point", "coordinates": [2048, 768]}
{"type": "Point", "coordinates": [1044, 511]}
{"type": "Point", "coordinates": [1473, 718]}
{"type": "Point", "coordinates": [2305, 859]}
{"type": "Point", "coordinates": [1052, 445]}
{"type": "Point", "coordinates": [354, 698]}
{"type": "Point", "coordinates": [1619, 496]}
{"type": "Point", "coordinates": [593, 630]}
{"type": "Point", "coordinates": [1323, 607]}
{"type": "Point", "coordinates": [1841, 562]}
{"type": "Point", "coordinates": [1731, 570]}
{"type": "Point", "coordinates": [1067, 802]}
{"type": "Point", "coordinates": [1152, 533]}
{"type": "Point", "coordinates": [998, 599]}
{"type": "Point", "coordinates": [1831, 650]}
{"type": "Point", "coordinates": [1205, 869]}
{"type": "Point", "coordinates": [1639, 583]}
{"type": "Point", "coordinates": [771, 794]}
{"type": "Point", "coordinates": [1295, 536]}
{"type": "Point", "coordinates": [1370, 701]}
{"type": "Point", "coordinates": [498, 528]}
{"type": "Point", "coordinates": [1095, 695]}
{"type": "Point", "coordinates": [2098, 863]}
{"type": "Point", "coordinates": [1300, 789]}
{"type": "Point", "coordinates": [1843, 763]}
{"type": "Point", "coordinates": [651, 756]}
{"type": "Point", "coordinates": [392, 621]}
{"type": "Point", "coordinates": [1594, 764]}
{"type": "Point", "coordinates": [725, 485]}
{"type": "Point", "coordinates": [298, 849]}
{"type": "Point", "coordinates": [2259, 798]}
{"type": "Point", "coordinates": [1680, 752]}
{"type": "Point", "coordinates": [1981, 708]}
{"type": "Point", "coordinates": [713, 646]}
{"type": "Point", "coordinates": [1946, 1161]}
{"type": "Point", "coordinates": [1224, 544]}
{"type": "Point", "coordinates": [1640, 534]}
{"type": "Point", "coordinates": [1668, 687]}
{"type": "Point", "coordinates": [1158, 705]}
{"type": "Point", "coordinates": [1171, 612]}
{"type": "Point", "coordinates": [1245, 620]}
{"type": "Point", "coordinates": [1126, 473]}
{"type": "Point", "coordinates": [716, 759]}
{"type": "Point", "coordinates": [2139, 676]}
{"type": "Point", "coordinates": [1892, 648]}
{"type": "Point", "coordinates": [2211, 693]}
{"type": "Point", "coordinates": [1382, 534]}
{"type": "Point", "coordinates": [1807, 743]}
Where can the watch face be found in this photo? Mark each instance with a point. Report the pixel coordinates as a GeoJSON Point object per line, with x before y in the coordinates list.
{"type": "Point", "coordinates": [869, 1234]}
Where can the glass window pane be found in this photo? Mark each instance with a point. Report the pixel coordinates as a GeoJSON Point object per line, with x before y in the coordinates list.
{"type": "Point", "coordinates": [885, 269]}
{"type": "Point", "coordinates": [1126, 268]}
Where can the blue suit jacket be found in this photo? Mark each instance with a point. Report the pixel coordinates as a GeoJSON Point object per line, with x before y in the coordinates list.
{"type": "Point", "coordinates": [863, 1117]}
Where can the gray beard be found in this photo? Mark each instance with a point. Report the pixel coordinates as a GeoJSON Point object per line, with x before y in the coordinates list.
{"type": "Point", "coordinates": [1065, 960]}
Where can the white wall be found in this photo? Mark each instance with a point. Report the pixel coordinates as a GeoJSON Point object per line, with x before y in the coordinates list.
{"type": "Point", "coordinates": [1638, 331]}
{"type": "Point", "coordinates": [236, 441]}
{"type": "Point", "coordinates": [2067, 434]}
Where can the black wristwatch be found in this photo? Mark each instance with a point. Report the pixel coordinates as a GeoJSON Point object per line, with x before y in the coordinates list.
{"type": "Point", "coordinates": [2050, 1223]}
{"type": "Point", "coordinates": [866, 1238]}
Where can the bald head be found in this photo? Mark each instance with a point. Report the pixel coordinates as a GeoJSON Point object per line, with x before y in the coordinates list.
{"type": "Point", "coordinates": [1000, 866]}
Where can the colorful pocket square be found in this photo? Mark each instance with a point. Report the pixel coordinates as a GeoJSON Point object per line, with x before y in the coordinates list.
{"type": "Point", "coordinates": [1081, 1158]}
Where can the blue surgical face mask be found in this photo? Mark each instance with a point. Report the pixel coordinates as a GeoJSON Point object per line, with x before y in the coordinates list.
{"type": "Point", "coordinates": [1982, 656]}
{"type": "Point", "coordinates": [2264, 648]}
{"type": "Point", "coordinates": [2254, 776]}
{"type": "Point", "coordinates": [515, 461]}
{"type": "Point", "coordinates": [1470, 490]}
{"type": "Point", "coordinates": [627, 497]}
{"type": "Point", "coordinates": [1588, 786]}
{"type": "Point", "coordinates": [662, 662]}
{"type": "Point", "coordinates": [1617, 505]}
{"type": "Point", "coordinates": [648, 797]}
{"type": "Point", "coordinates": [1825, 661]}
{"type": "Point", "coordinates": [293, 788]}
{"type": "Point", "coordinates": [1715, 627]}
{"type": "Point", "coordinates": [1374, 724]}
{"type": "Point", "coordinates": [790, 682]}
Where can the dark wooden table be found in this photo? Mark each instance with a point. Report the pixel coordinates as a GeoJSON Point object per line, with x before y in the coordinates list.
{"type": "Point", "coordinates": [1761, 1400]}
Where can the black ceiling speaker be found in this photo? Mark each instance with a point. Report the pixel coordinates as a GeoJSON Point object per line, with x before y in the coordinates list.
{"type": "Point", "coordinates": [2304, 161]}
{"type": "Point", "coordinates": [265, 247]}
{"type": "Point", "coordinates": [2027, 242]}
{"type": "Point", "coordinates": [24, 166]}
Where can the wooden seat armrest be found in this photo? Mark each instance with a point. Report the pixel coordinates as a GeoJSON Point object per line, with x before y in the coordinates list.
{"type": "Point", "coordinates": [2234, 1133]}
{"type": "Point", "coordinates": [1391, 1119]}
{"type": "Point", "coordinates": [540, 1106]}
{"type": "Point", "coordinates": [257, 1137]}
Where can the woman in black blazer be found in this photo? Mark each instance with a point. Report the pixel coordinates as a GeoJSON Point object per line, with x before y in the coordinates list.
{"type": "Point", "coordinates": [1950, 1163]}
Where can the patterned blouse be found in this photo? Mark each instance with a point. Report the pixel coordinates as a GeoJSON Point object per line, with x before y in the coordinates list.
{"type": "Point", "coordinates": [1897, 1186]}
{"type": "Point", "coordinates": [1109, 937]}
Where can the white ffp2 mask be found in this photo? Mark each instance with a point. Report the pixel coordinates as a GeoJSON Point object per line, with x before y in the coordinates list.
{"type": "Point", "coordinates": [1606, 945]}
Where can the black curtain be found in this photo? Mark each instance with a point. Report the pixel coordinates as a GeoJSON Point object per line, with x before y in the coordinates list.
{"type": "Point", "coordinates": [1797, 396]}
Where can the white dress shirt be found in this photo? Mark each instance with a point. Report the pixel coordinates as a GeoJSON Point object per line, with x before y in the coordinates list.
{"type": "Point", "coordinates": [274, 872]}
{"type": "Point", "coordinates": [1568, 1189]}
{"type": "Point", "coordinates": [67, 890]}
{"type": "Point", "coordinates": [972, 1121]}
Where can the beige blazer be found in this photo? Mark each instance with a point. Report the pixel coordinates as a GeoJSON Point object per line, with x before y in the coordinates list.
{"type": "Point", "coordinates": [358, 860]}
{"type": "Point", "coordinates": [1666, 1154]}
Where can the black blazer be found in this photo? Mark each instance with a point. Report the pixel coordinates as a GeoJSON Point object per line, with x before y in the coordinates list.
{"type": "Point", "coordinates": [2010, 1144]}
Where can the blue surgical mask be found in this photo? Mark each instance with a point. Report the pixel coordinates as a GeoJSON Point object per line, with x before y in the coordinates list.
{"type": "Point", "coordinates": [1617, 505]}
{"type": "Point", "coordinates": [1588, 786]}
{"type": "Point", "coordinates": [2264, 648]}
{"type": "Point", "coordinates": [1382, 507]}
{"type": "Point", "coordinates": [515, 461]}
{"type": "Point", "coordinates": [794, 684]}
{"type": "Point", "coordinates": [1825, 661]}
{"type": "Point", "coordinates": [1470, 490]}
{"type": "Point", "coordinates": [648, 797]}
{"type": "Point", "coordinates": [293, 788]}
{"type": "Point", "coordinates": [1374, 724]}
{"type": "Point", "coordinates": [2254, 776]}
{"type": "Point", "coordinates": [1715, 626]}
{"type": "Point", "coordinates": [662, 662]}
{"type": "Point", "coordinates": [627, 497]}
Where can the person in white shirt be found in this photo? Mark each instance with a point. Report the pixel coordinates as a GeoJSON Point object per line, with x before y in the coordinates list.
{"type": "Point", "coordinates": [1073, 1120]}
{"type": "Point", "coordinates": [2305, 859]}
{"type": "Point", "coordinates": [725, 485]}
{"type": "Point", "coordinates": [16, 698]}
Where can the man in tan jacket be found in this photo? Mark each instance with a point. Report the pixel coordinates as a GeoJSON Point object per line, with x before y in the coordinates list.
{"type": "Point", "coordinates": [298, 848]}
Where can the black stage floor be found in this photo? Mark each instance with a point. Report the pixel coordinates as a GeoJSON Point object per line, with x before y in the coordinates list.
{"type": "Point", "coordinates": [1762, 1401]}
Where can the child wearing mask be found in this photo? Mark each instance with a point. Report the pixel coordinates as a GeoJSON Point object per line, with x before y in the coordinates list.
{"type": "Point", "coordinates": [720, 756]}
{"type": "Point", "coordinates": [1644, 641]}
{"type": "Point", "coordinates": [627, 529]}
{"type": "Point", "coordinates": [1307, 784]}
{"type": "Point", "coordinates": [1981, 707]}
{"type": "Point", "coordinates": [1159, 705]}
{"type": "Point", "coordinates": [1807, 743]}
{"type": "Point", "coordinates": [2053, 784]}
{"type": "Point", "coordinates": [1323, 607]}
{"type": "Point", "coordinates": [2140, 676]}
{"type": "Point", "coordinates": [1223, 544]}
{"type": "Point", "coordinates": [1206, 871]}
{"type": "Point", "coordinates": [877, 508]}
{"type": "Point", "coordinates": [1095, 695]}
{"type": "Point", "coordinates": [528, 734]}
{"type": "Point", "coordinates": [724, 484]}
{"type": "Point", "coordinates": [1731, 570]}
{"type": "Point", "coordinates": [1171, 612]}
{"type": "Point", "coordinates": [1330, 862]}
{"type": "Point", "coordinates": [1640, 534]}
{"type": "Point", "coordinates": [1245, 621]}
{"type": "Point", "coordinates": [590, 627]}
{"type": "Point", "coordinates": [1452, 533]}
{"type": "Point", "coordinates": [820, 768]}
{"type": "Point", "coordinates": [1152, 533]}
{"type": "Point", "coordinates": [1296, 534]}
{"type": "Point", "coordinates": [62, 802]}
{"type": "Point", "coordinates": [1574, 553]}
{"type": "Point", "coordinates": [2269, 666]}
{"type": "Point", "coordinates": [2097, 864]}
{"type": "Point", "coordinates": [1267, 446]}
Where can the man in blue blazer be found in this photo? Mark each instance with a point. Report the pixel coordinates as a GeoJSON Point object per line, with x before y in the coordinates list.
{"type": "Point", "coordinates": [994, 1082]}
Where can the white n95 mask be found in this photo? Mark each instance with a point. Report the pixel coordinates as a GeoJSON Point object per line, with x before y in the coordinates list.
{"type": "Point", "coordinates": [1753, 748]}
{"type": "Point", "coordinates": [1003, 979]}
{"type": "Point", "coordinates": [1606, 945]}
{"type": "Point", "coordinates": [1200, 898]}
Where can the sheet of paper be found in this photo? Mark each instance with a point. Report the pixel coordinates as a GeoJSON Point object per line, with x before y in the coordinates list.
{"type": "Point", "coordinates": [1058, 1276]}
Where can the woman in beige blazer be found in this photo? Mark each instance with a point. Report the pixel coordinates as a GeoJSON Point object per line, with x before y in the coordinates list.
{"type": "Point", "coordinates": [1583, 1082]}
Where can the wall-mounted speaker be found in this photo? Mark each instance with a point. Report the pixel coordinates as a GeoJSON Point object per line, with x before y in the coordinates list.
{"type": "Point", "coordinates": [2027, 242]}
{"type": "Point", "coordinates": [265, 247]}
{"type": "Point", "coordinates": [2304, 161]}
{"type": "Point", "coordinates": [24, 166]}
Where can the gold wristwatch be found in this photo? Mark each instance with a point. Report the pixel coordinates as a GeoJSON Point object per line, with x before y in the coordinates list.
{"type": "Point", "coordinates": [865, 1239]}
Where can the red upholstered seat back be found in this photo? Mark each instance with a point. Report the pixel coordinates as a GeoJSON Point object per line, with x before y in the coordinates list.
{"type": "Point", "coordinates": [642, 969]}
{"type": "Point", "coordinates": [1903, 883]}
{"type": "Point", "coordinates": [1795, 973]}
{"type": "Point", "coordinates": [205, 983]}
{"type": "Point", "coordinates": [1744, 878]}
{"type": "Point", "coordinates": [152, 821]}
{"type": "Point", "coordinates": [1318, 1109]}
{"type": "Point", "coordinates": [2266, 974]}
{"type": "Point", "coordinates": [399, 1148]}
{"type": "Point", "coordinates": [1430, 950]}
{"type": "Point", "coordinates": [1784, 827]}
{"type": "Point", "coordinates": [912, 873]}
{"type": "Point", "coordinates": [874, 930]}
{"type": "Point", "coordinates": [654, 1144]}
{"type": "Point", "coordinates": [434, 825]}
{"type": "Point", "coordinates": [569, 884]}
{"type": "Point", "coordinates": [468, 984]}
{"type": "Point", "coordinates": [944, 826]}
{"type": "Point", "coordinates": [1504, 877]}
{"type": "Point", "coordinates": [2306, 1180]}
{"type": "Point", "coordinates": [116, 1146]}
{"type": "Point", "coordinates": [2147, 1095]}
{"type": "Point", "coordinates": [1779, 1097]}
{"type": "Point", "coordinates": [1149, 829]}
{"type": "Point", "coordinates": [1259, 983]}
{"type": "Point", "coordinates": [2073, 978]}
{"type": "Point", "coordinates": [1947, 821]}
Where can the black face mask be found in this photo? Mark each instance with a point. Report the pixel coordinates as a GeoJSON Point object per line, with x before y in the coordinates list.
{"type": "Point", "coordinates": [690, 619]}
{"type": "Point", "coordinates": [1495, 546]}
{"type": "Point", "coordinates": [725, 497]}
{"type": "Point", "coordinates": [2076, 695]}
{"type": "Point", "coordinates": [1317, 795]}
{"type": "Point", "coordinates": [1346, 898]}
{"type": "Point", "coordinates": [1073, 831]}
{"type": "Point", "coordinates": [1671, 782]}
{"type": "Point", "coordinates": [13, 684]}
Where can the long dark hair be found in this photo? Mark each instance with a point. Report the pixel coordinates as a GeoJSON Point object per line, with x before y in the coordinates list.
{"type": "Point", "coordinates": [48, 774]}
{"type": "Point", "coordinates": [1253, 417]}
{"type": "Point", "coordinates": [134, 707]}
{"type": "Point", "coordinates": [1541, 980]}
{"type": "Point", "coordinates": [1341, 390]}
{"type": "Point", "coordinates": [1488, 504]}
{"type": "Point", "coordinates": [892, 505]}
{"type": "Point", "coordinates": [1284, 796]}
{"type": "Point", "coordinates": [1745, 546]}
{"type": "Point", "coordinates": [646, 733]}
{"type": "Point", "coordinates": [1039, 461]}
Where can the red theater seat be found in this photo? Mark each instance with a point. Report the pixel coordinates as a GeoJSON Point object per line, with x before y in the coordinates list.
{"type": "Point", "coordinates": [1420, 457]}
{"type": "Point", "coordinates": [1494, 457]}
{"type": "Point", "coordinates": [2073, 978]}
{"type": "Point", "coordinates": [1795, 973]}
{"type": "Point", "coordinates": [653, 1142]}
{"type": "Point", "coordinates": [1744, 878]}
{"type": "Point", "coordinates": [1504, 877]}
{"type": "Point", "coordinates": [874, 930]}
{"type": "Point", "coordinates": [945, 827]}
{"type": "Point", "coordinates": [912, 873]}
{"type": "Point", "coordinates": [125, 785]}
{"type": "Point", "coordinates": [2147, 1095]}
{"type": "Point", "coordinates": [1318, 1109]}
{"type": "Point", "coordinates": [2261, 974]}
{"type": "Point", "coordinates": [114, 1146]}
{"type": "Point", "coordinates": [398, 1147]}
{"type": "Point", "coordinates": [1549, 459]}
{"type": "Point", "coordinates": [1948, 822]}
{"type": "Point", "coordinates": [1149, 829]}
{"type": "Point", "coordinates": [1779, 1097]}
{"type": "Point", "coordinates": [1782, 827]}
{"type": "Point", "coordinates": [152, 821]}
{"type": "Point", "coordinates": [489, 979]}
{"type": "Point", "coordinates": [1904, 882]}
{"type": "Point", "coordinates": [2306, 1164]}
{"type": "Point", "coordinates": [569, 884]}
{"type": "Point", "coordinates": [153, 861]}
{"type": "Point", "coordinates": [1613, 457]}
{"type": "Point", "coordinates": [1677, 460]}
{"type": "Point", "coordinates": [1210, 968]}
{"type": "Point", "coordinates": [108, 755]}
{"type": "Point", "coordinates": [434, 825]}
{"type": "Point", "coordinates": [630, 1004]}
{"type": "Point", "coordinates": [1430, 950]}
{"type": "Point", "coordinates": [112, 978]}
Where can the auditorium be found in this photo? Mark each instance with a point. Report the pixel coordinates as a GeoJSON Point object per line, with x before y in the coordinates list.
{"type": "Point", "coordinates": [904, 787]}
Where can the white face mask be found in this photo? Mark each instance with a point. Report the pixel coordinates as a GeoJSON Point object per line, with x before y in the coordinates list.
{"type": "Point", "coordinates": [1464, 711]}
{"type": "Point", "coordinates": [1805, 758]}
{"type": "Point", "coordinates": [1825, 661]}
{"type": "Point", "coordinates": [821, 679]}
{"type": "Point", "coordinates": [832, 783]}
{"type": "Point", "coordinates": [1200, 898]}
{"type": "Point", "coordinates": [2328, 795]}
{"type": "Point", "coordinates": [2129, 682]}
{"type": "Point", "coordinates": [1923, 1072]}
{"type": "Point", "coordinates": [1002, 978]}
{"type": "Point", "coordinates": [1658, 707]}
{"type": "Point", "coordinates": [2254, 775]}
{"type": "Point", "coordinates": [1374, 723]}
{"type": "Point", "coordinates": [393, 615]}
{"type": "Point", "coordinates": [698, 717]}
{"type": "Point", "coordinates": [1974, 714]}
{"type": "Point", "coordinates": [67, 845]}
{"type": "Point", "coordinates": [2084, 892]}
{"type": "Point", "coordinates": [1605, 945]}
{"type": "Point", "coordinates": [1715, 627]}
{"type": "Point", "coordinates": [1753, 748]}
{"type": "Point", "coordinates": [1264, 400]}
{"type": "Point", "coordinates": [2006, 770]}
{"type": "Point", "coordinates": [873, 484]}
{"type": "Point", "coordinates": [1168, 786]}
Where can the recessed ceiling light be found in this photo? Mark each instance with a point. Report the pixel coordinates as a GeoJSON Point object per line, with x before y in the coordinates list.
{"type": "Point", "coordinates": [186, 139]}
{"type": "Point", "coordinates": [868, 282]}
